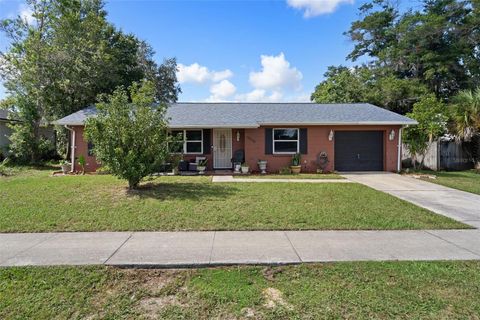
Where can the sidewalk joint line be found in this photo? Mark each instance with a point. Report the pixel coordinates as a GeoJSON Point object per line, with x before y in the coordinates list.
{"type": "Point", "coordinates": [116, 250]}
{"type": "Point", "coordinates": [293, 247]}
{"type": "Point", "coordinates": [211, 249]}
{"type": "Point", "coordinates": [456, 245]}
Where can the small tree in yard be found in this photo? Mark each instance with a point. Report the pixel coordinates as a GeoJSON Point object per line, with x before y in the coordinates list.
{"type": "Point", "coordinates": [130, 133]}
{"type": "Point", "coordinates": [432, 120]}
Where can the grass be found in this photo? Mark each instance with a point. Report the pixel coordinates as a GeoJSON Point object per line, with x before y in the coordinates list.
{"type": "Point", "coordinates": [468, 180]}
{"type": "Point", "coordinates": [293, 176]}
{"type": "Point", "coordinates": [360, 290]}
{"type": "Point", "coordinates": [35, 201]}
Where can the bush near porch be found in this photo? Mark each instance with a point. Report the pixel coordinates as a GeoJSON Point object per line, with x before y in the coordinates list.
{"type": "Point", "coordinates": [35, 201]}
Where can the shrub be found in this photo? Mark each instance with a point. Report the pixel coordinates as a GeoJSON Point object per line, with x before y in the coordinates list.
{"type": "Point", "coordinates": [130, 136]}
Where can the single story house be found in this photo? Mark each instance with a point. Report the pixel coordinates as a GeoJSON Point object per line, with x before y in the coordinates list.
{"type": "Point", "coordinates": [5, 131]}
{"type": "Point", "coordinates": [355, 136]}
{"type": "Point", "coordinates": [6, 119]}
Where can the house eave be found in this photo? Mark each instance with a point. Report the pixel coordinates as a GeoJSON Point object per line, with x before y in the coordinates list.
{"type": "Point", "coordinates": [359, 123]}
{"type": "Point", "coordinates": [220, 126]}
{"type": "Point", "coordinates": [253, 126]}
{"type": "Point", "coordinates": [61, 123]}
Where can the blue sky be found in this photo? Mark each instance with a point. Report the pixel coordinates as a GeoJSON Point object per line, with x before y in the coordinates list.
{"type": "Point", "coordinates": [237, 50]}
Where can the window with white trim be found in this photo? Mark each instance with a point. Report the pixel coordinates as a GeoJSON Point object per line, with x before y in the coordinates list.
{"type": "Point", "coordinates": [286, 141]}
{"type": "Point", "coordinates": [190, 141]}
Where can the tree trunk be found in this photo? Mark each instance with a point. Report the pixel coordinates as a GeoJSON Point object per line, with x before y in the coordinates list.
{"type": "Point", "coordinates": [35, 156]}
{"type": "Point", "coordinates": [414, 160]}
{"type": "Point", "coordinates": [133, 184]}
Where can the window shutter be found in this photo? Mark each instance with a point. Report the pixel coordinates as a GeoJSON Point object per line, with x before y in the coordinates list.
{"type": "Point", "coordinates": [303, 141]}
{"type": "Point", "coordinates": [268, 141]}
{"type": "Point", "coordinates": [207, 145]}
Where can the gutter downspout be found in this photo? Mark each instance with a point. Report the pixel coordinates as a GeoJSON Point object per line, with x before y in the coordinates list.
{"type": "Point", "coordinates": [399, 160]}
{"type": "Point", "coordinates": [72, 147]}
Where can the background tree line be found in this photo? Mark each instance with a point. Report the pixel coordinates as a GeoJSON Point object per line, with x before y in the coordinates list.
{"type": "Point", "coordinates": [423, 62]}
{"type": "Point", "coordinates": [62, 61]}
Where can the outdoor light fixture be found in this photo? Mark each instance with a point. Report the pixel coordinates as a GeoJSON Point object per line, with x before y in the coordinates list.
{"type": "Point", "coordinates": [238, 135]}
{"type": "Point", "coordinates": [391, 136]}
{"type": "Point", "coordinates": [330, 135]}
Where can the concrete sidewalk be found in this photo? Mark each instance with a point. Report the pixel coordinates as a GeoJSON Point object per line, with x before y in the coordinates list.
{"type": "Point", "coordinates": [196, 249]}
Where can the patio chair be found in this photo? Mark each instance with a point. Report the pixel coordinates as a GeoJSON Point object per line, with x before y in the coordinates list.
{"type": "Point", "coordinates": [192, 166]}
{"type": "Point", "coordinates": [238, 157]}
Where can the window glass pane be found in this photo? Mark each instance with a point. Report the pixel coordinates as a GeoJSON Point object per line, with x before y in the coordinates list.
{"type": "Point", "coordinates": [194, 135]}
{"type": "Point", "coordinates": [285, 134]}
{"type": "Point", "coordinates": [194, 147]}
{"type": "Point", "coordinates": [90, 149]}
{"type": "Point", "coordinates": [285, 146]}
{"type": "Point", "coordinates": [176, 147]}
{"type": "Point", "coordinates": [177, 134]}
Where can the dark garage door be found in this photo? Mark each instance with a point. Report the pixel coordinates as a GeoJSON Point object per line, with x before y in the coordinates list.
{"type": "Point", "coordinates": [359, 150]}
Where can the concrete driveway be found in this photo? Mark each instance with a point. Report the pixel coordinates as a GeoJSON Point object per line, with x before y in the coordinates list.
{"type": "Point", "coordinates": [459, 205]}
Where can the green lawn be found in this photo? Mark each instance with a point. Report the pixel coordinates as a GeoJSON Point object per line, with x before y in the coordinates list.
{"type": "Point", "coordinates": [35, 201]}
{"type": "Point", "coordinates": [292, 176]}
{"type": "Point", "coordinates": [462, 180]}
{"type": "Point", "coordinates": [362, 290]}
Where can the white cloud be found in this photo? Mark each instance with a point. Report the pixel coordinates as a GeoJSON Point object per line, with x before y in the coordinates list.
{"type": "Point", "coordinates": [26, 14]}
{"type": "Point", "coordinates": [276, 81]}
{"type": "Point", "coordinates": [259, 95]}
{"type": "Point", "coordinates": [221, 91]}
{"type": "Point", "coordinates": [312, 8]}
{"type": "Point", "coordinates": [221, 75]}
{"type": "Point", "coordinates": [196, 73]}
{"type": "Point", "coordinates": [276, 74]}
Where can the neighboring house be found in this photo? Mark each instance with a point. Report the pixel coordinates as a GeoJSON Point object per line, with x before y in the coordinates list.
{"type": "Point", "coordinates": [46, 131]}
{"type": "Point", "coordinates": [356, 137]}
{"type": "Point", "coordinates": [5, 131]}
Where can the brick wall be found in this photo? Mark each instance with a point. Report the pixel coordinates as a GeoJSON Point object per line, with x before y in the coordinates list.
{"type": "Point", "coordinates": [253, 142]}
{"type": "Point", "coordinates": [317, 142]}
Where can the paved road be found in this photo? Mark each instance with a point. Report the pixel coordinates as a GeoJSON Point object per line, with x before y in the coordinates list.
{"type": "Point", "coordinates": [459, 205]}
{"type": "Point", "coordinates": [194, 249]}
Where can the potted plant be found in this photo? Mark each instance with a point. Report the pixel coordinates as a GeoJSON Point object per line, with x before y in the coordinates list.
{"type": "Point", "coordinates": [66, 166]}
{"type": "Point", "coordinates": [262, 165]}
{"type": "Point", "coordinates": [236, 167]}
{"type": "Point", "coordinates": [202, 166]}
{"type": "Point", "coordinates": [245, 168]}
{"type": "Point", "coordinates": [322, 162]}
{"type": "Point", "coordinates": [296, 166]}
{"type": "Point", "coordinates": [82, 162]}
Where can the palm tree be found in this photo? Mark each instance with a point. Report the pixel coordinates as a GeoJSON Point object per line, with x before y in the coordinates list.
{"type": "Point", "coordinates": [466, 114]}
{"type": "Point", "coordinates": [465, 120]}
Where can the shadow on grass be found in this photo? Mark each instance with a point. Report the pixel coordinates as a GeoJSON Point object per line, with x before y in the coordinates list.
{"type": "Point", "coordinates": [38, 167]}
{"type": "Point", "coordinates": [11, 170]}
{"type": "Point", "coordinates": [466, 174]}
{"type": "Point", "coordinates": [183, 191]}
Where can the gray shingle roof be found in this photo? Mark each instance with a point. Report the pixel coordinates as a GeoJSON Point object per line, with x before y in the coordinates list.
{"type": "Point", "coordinates": [3, 114]}
{"type": "Point", "coordinates": [245, 115]}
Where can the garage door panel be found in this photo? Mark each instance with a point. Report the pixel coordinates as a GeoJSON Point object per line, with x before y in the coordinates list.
{"type": "Point", "coordinates": [359, 150]}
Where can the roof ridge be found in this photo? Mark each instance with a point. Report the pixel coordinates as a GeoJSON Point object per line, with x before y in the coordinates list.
{"type": "Point", "coordinates": [233, 102]}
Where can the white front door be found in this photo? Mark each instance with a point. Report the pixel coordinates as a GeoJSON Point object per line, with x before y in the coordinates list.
{"type": "Point", "coordinates": [222, 148]}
